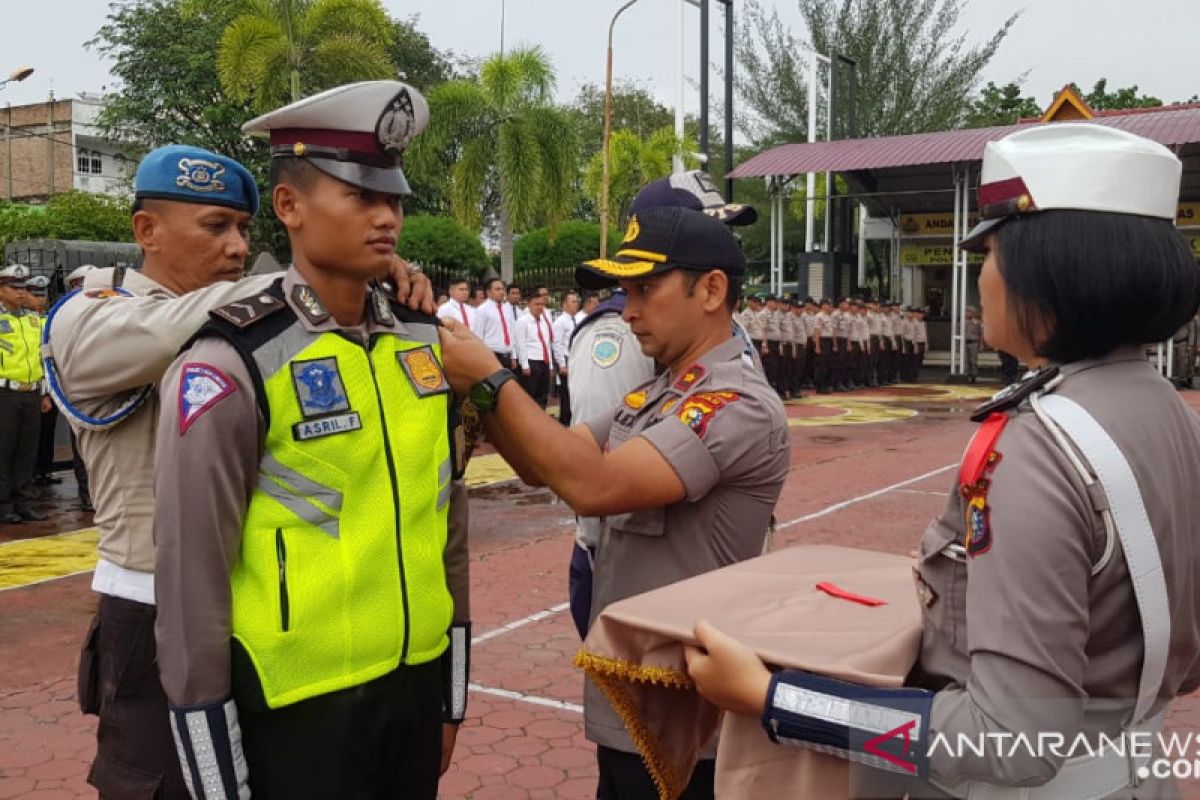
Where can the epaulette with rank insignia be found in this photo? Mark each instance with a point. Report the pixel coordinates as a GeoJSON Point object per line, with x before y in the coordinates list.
{"type": "Point", "coordinates": [1014, 395]}
{"type": "Point", "coordinates": [249, 310]}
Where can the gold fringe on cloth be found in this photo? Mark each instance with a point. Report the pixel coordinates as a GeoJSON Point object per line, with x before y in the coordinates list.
{"type": "Point", "coordinates": [634, 656]}
{"type": "Point", "coordinates": [607, 673]}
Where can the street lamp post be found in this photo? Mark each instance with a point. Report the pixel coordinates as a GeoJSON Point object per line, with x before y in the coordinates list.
{"type": "Point", "coordinates": [16, 76]}
{"type": "Point", "coordinates": [608, 132]}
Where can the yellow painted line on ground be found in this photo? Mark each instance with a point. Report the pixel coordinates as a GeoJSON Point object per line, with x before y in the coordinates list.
{"type": "Point", "coordinates": [854, 412]}
{"type": "Point", "coordinates": [28, 561]}
{"type": "Point", "coordinates": [489, 469]}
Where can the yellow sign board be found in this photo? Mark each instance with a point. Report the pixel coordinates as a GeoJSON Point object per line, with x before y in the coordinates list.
{"type": "Point", "coordinates": [932, 224]}
{"type": "Point", "coordinates": [1187, 216]}
{"type": "Point", "coordinates": [938, 255]}
{"type": "Point", "coordinates": [1194, 241]}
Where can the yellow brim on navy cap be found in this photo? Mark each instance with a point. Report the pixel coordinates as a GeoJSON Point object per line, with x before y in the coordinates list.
{"type": "Point", "coordinates": [603, 272]}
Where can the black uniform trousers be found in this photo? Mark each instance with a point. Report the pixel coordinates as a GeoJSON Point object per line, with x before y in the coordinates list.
{"type": "Point", "coordinates": [873, 359]}
{"type": "Point", "coordinates": [906, 360]}
{"type": "Point", "coordinates": [118, 679]}
{"type": "Point", "coordinates": [810, 364]}
{"type": "Point", "coordinates": [564, 400]}
{"type": "Point", "coordinates": [771, 363]}
{"type": "Point", "coordinates": [841, 362]}
{"type": "Point", "coordinates": [857, 365]}
{"type": "Point", "coordinates": [823, 371]}
{"type": "Point", "coordinates": [381, 739]}
{"type": "Point", "coordinates": [537, 383]}
{"type": "Point", "coordinates": [20, 418]}
{"type": "Point", "coordinates": [623, 776]}
{"type": "Point", "coordinates": [800, 364]}
{"type": "Point", "coordinates": [44, 464]}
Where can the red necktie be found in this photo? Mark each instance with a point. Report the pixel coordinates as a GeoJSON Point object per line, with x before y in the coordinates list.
{"type": "Point", "coordinates": [463, 310]}
{"type": "Point", "coordinates": [545, 354]}
{"type": "Point", "coordinates": [503, 322]}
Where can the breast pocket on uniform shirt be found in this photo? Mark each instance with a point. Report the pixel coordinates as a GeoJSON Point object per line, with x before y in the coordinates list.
{"type": "Point", "coordinates": [649, 522]}
{"type": "Point", "coordinates": [940, 576]}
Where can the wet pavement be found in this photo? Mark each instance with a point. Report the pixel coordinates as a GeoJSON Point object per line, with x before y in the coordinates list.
{"type": "Point", "coordinates": [869, 469]}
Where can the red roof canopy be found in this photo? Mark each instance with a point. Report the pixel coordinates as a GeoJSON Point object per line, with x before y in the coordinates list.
{"type": "Point", "coordinates": [1173, 126]}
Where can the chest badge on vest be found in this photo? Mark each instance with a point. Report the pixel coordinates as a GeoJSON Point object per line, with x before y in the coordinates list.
{"type": "Point", "coordinates": [5, 326]}
{"type": "Point", "coordinates": [319, 387]}
{"type": "Point", "coordinates": [423, 371]}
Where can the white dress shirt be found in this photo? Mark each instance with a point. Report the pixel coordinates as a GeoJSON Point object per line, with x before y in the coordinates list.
{"type": "Point", "coordinates": [563, 327]}
{"type": "Point", "coordinates": [495, 327]}
{"type": "Point", "coordinates": [452, 309]}
{"type": "Point", "coordinates": [531, 343]}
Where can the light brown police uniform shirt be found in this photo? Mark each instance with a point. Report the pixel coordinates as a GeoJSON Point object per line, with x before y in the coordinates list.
{"type": "Point", "coordinates": [724, 431]}
{"type": "Point", "coordinates": [973, 331]}
{"type": "Point", "coordinates": [771, 330]}
{"type": "Point", "coordinates": [1020, 636]}
{"type": "Point", "coordinates": [204, 481]}
{"type": "Point", "coordinates": [106, 348]}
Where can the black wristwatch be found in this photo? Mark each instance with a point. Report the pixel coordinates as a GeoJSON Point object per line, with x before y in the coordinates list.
{"type": "Point", "coordinates": [485, 394]}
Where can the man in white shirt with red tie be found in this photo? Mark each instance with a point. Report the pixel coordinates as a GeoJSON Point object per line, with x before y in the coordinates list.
{"type": "Point", "coordinates": [496, 324]}
{"type": "Point", "coordinates": [563, 327]}
{"type": "Point", "coordinates": [456, 308]}
{"type": "Point", "coordinates": [535, 351]}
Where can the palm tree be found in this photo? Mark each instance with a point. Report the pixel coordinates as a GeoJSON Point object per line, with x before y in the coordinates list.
{"type": "Point", "coordinates": [278, 51]}
{"type": "Point", "coordinates": [634, 163]}
{"type": "Point", "coordinates": [506, 149]}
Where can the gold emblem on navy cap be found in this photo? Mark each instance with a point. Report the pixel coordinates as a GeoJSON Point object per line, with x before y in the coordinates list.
{"type": "Point", "coordinates": [200, 175]}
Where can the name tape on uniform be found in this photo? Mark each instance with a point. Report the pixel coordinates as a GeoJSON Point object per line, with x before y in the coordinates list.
{"type": "Point", "coordinates": [326, 426]}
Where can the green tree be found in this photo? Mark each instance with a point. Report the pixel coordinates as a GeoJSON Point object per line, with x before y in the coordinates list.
{"type": "Point", "coordinates": [1101, 99]}
{"type": "Point", "coordinates": [443, 242]}
{"type": "Point", "coordinates": [564, 247]}
{"type": "Point", "coordinates": [633, 109]}
{"type": "Point", "coordinates": [914, 73]}
{"type": "Point", "coordinates": [276, 51]}
{"type": "Point", "coordinates": [1000, 105]}
{"type": "Point", "coordinates": [634, 162]}
{"type": "Point", "coordinates": [506, 151]}
{"type": "Point", "coordinates": [73, 215]}
{"type": "Point", "coordinates": [417, 61]}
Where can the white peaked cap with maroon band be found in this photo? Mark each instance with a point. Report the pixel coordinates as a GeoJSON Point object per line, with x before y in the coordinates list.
{"type": "Point", "coordinates": [1081, 166]}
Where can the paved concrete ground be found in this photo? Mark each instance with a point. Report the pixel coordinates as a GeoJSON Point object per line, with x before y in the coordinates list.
{"type": "Point", "coordinates": [868, 470]}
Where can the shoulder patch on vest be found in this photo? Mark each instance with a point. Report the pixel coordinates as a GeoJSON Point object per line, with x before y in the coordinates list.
{"type": "Point", "coordinates": [5, 326]}
{"type": "Point", "coordinates": [201, 386]}
{"type": "Point", "coordinates": [606, 349]}
{"type": "Point", "coordinates": [1013, 396]}
{"type": "Point", "coordinates": [319, 387]}
{"type": "Point", "coordinates": [247, 311]}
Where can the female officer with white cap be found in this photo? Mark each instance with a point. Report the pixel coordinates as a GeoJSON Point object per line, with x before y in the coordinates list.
{"type": "Point", "coordinates": [1060, 590]}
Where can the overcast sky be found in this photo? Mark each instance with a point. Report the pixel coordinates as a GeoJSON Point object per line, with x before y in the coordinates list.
{"type": "Point", "coordinates": [1151, 43]}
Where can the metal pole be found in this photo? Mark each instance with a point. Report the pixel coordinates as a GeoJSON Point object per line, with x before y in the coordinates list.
{"type": "Point", "coordinates": [830, 111]}
{"type": "Point", "coordinates": [862, 245]}
{"type": "Point", "coordinates": [954, 275]}
{"type": "Point", "coordinates": [965, 280]}
{"type": "Point", "coordinates": [50, 142]}
{"type": "Point", "coordinates": [810, 183]}
{"type": "Point", "coordinates": [704, 81]}
{"type": "Point", "coordinates": [677, 159]}
{"type": "Point", "coordinates": [503, 9]}
{"type": "Point", "coordinates": [774, 223]}
{"type": "Point", "coordinates": [8, 147]}
{"type": "Point", "coordinates": [728, 98]}
{"type": "Point", "coordinates": [607, 133]}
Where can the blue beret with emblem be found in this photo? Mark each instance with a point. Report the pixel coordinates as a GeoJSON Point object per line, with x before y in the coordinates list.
{"type": "Point", "coordinates": [194, 175]}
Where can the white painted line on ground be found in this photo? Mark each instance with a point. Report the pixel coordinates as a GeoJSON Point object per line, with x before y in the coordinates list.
{"type": "Point", "coordinates": [561, 705]}
{"type": "Point", "coordinates": [924, 491]}
{"type": "Point", "coordinates": [520, 623]}
{"type": "Point", "coordinates": [855, 500]}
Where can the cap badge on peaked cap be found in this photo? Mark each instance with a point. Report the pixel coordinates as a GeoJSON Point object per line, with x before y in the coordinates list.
{"type": "Point", "coordinates": [397, 124]}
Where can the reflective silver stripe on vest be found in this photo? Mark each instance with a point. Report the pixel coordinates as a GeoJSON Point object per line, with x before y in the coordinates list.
{"type": "Point", "coordinates": [445, 471]}
{"type": "Point", "coordinates": [299, 506]}
{"type": "Point", "coordinates": [272, 356]}
{"type": "Point", "coordinates": [300, 484]}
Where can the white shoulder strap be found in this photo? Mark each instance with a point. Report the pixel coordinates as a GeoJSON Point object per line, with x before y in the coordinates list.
{"type": "Point", "coordinates": [1136, 535]}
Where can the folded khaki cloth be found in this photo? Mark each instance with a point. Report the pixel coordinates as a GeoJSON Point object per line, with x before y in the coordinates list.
{"type": "Point", "coordinates": [634, 653]}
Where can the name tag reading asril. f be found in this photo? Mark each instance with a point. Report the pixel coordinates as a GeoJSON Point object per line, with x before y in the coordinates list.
{"type": "Point", "coordinates": [326, 426]}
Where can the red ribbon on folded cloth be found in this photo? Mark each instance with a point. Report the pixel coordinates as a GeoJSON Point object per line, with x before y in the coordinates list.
{"type": "Point", "coordinates": [840, 593]}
